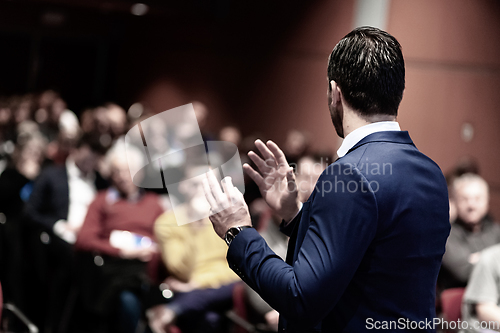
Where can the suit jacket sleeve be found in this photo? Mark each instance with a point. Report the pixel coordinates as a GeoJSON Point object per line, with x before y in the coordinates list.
{"type": "Point", "coordinates": [36, 208]}
{"type": "Point", "coordinates": [341, 224]}
{"type": "Point", "coordinates": [287, 227]}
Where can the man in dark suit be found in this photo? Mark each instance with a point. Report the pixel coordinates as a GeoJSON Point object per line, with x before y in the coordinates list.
{"type": "Point", "coordinates": [56, 209]}
{"type": "Point", "coordinates": [61, 192]}
{"type": "Point", "coordinates": [366, 248]}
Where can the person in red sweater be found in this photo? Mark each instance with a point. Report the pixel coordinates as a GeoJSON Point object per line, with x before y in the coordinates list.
{"type": "Point", "coordinates": [119, 227]}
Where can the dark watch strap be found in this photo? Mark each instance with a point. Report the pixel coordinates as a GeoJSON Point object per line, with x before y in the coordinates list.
{"type": "Point", "coordinates": [233, 232]}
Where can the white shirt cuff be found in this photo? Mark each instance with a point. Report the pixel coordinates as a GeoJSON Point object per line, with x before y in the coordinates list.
{"type": "Point", "coordinates": [59, 227]}
{"type": "Point", "coordinates": [62, 232]}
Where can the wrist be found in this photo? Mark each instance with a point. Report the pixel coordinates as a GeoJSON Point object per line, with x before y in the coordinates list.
{"type": "Point", "coordinates": [232, 232]}
{"type": "Point", "coordinates": [292, 213]}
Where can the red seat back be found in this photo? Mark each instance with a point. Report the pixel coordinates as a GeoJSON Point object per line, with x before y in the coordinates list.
{"type": "Point", "coordinates": [451, 303]}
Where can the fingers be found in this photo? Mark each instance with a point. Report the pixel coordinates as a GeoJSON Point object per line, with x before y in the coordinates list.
{"type": "Point", "coordinates": [237, 194]}
{"type": "Point", "coordinates": [256, 177]}
{"type": "Point", "coordinates": [234, 195]}
{"type": "Point", "coordinates": [208, 193]}
{"type": "Point", "coordinates": [278, 153]}
{"type": "Point", "coordinates": [213, 193]}
{"type": "Point", "coordinates": [227, 186]}
{"type": "Point", "coordinates": [290, 179]}
{"type": "Point", "coordinates": [214, 186]}
{"type": "Point", "coordinates": [265, 167]}
{"type": "Point", "coordinates": [216, 198]}
{"type": "Point", "coordinates": [269, 158]}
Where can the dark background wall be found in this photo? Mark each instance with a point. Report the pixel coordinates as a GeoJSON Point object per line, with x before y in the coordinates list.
{"type": "Point", "coordinates": [262, 64]}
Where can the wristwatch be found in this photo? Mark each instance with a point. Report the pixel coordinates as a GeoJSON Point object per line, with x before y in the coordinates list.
{"type": "Point", "coordinates": [232, 232]}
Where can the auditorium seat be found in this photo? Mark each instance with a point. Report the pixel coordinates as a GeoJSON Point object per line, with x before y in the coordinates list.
{"type": "Point", "coordinates": [13, 320]}
{"type": "Point", "coordinates": [451, 304]}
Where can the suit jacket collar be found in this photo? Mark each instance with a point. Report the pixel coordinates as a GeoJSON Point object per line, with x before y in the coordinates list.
{"type": "Point", "coordinates": [388, 136]}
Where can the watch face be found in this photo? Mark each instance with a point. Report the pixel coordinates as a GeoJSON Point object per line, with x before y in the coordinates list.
{"type": "Point", "coordinates": [229, 237]}
{"type": "Point", "coordinates": [231, 234]}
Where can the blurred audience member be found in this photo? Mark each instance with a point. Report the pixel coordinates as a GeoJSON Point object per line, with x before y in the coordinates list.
{"type": "Point", "coordinates": [196, 261]}
{"type": "Point", "coordinates": [69, 132]}
{"type": "Point", "coordinates": [117, 120]}
{"type": "Point", "coordinates": [309, 168]}
{"type": "Point", "coordinates": [50, 108]}
{"type": "Point", "coordinates": [62, 194]}
{"type": "Point", "coordinates": [57, 206]}
{"type": "Point", "coordinates": [201, 111]}
{"type": "Point", "coordinates": [472, 232]}
{"type": "Point", "coordinates": [16, 184]}
{"type": "Point", "coordinates": [296, 146]}
{"type": "Point", "coordinates": [59, 125]}
{"type": "Point", "coordinates": [231, 134]}
{"type": "Point", "coordinates": [481, 302]}
{"type": "Point", "coordinates": [119, 227]}
{"type": "Point", "coordinates": [88, 121]}
{"type": "Point", "coordinates": [45, 101]}
{"type": "Point", "coordinates": [466, 164]}
{"type": "Point", "coordinates": [22, 108]}
{"type": "Point", "coordinates": [30, 150]}
{"type": "Point", "coordinates": [6, 123]}
{"type": "Point", "coordinates": [14, 112]}
{"type": "Point", "coordinates": [109, 124]}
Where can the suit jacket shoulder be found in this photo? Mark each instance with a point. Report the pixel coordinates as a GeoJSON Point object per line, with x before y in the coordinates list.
{"type": "Point", "coordinates": [49, 201]}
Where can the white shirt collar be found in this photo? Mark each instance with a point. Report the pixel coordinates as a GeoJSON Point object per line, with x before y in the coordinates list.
{"type": "Point", "coordinates": [75, 172]}
{"type": "Point", "coordinates": [72, 169]}
{"type": "Point", "coordinates": [360, 133]}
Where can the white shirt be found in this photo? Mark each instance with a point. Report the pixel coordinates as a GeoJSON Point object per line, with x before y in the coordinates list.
{"type": "Point", "coordinates": [82, 192]}
{"type": "Point", "coordinates": [360, 133]}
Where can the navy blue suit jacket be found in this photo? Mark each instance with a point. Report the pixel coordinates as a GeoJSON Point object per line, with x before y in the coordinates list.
{"type": "Point", "coordinates": [367, 245]}
{"type": "Point", "coordinates": [49, 201]}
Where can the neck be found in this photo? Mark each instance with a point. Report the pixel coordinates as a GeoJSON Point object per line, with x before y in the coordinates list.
{"type": "Point", "coordinates": [129, 193]}
{"type": "Point", "coordinates": [353, 120]}
{"type": "Point", "coordinates": [472, 227]}
{"type": "Point", "coordinates": [77, 163]}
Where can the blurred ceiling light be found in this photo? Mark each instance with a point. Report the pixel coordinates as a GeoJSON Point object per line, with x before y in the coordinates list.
{"type": "Point", "coordinates": [467, 132]}
{"type": "Point", "coordinates": [52, 18]}
{"type": "Point", "coordinates": [139, 9]}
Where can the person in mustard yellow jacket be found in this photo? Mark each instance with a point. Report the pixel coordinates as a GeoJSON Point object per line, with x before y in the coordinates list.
{"type": "Point", "coordinates": [199, 275]}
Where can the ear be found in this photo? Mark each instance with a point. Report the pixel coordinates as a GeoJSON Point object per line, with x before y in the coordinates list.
{"type": "Point", "coordinates": [335, 93]}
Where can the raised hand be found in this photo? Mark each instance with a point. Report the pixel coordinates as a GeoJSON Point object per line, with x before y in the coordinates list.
{"type": "Point", "coordinates": [228, 208]}
{"type": "Point", "coordinates": [275, 179]}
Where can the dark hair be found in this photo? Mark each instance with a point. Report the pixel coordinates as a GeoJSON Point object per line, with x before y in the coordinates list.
{"type": "Point", "coordinates": [93, 142]}
{"type": "Point", "coordinates": [368, 66]}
